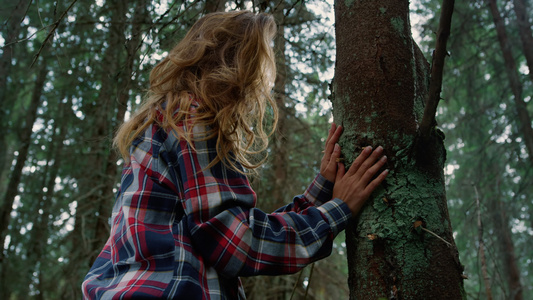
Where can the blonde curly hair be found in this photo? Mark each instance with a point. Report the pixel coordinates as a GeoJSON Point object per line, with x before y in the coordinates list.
{"type": "Point", "coordinates": [225, 61]}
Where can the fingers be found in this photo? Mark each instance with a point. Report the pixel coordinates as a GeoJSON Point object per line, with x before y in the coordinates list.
{"type": "Point", "coordinates": [341, 170]}
{"type": "Point", "coordinates": [330, 134]}
{"type": "Point", "coordinates": [376, 182]}
{"type": "Point", "coordinates": [333, 161]}
{"type": "Point", "coordinates": [369, 162]}
{"type": "Point", "coordinates": [373, 170]}
{"type": "Point", "coordinates": [333, 137]}
{"type": "Point", "coordinates": [355, 186]}
{"type": "Point", "coordinates": [359, 160]}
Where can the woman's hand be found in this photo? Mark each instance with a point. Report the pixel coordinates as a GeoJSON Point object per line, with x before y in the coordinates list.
{"type": "Point", "coordinates": [328, 167]}
{"type": "Point", "coordinates": [355, 186]}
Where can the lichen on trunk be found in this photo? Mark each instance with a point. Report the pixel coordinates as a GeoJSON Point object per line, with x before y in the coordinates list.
{"type": "Point", "coordinates": [401, 245]}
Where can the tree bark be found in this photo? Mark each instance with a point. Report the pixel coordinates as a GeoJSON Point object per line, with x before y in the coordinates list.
{"type": "Point", "coordinates": [381, 81]}
{"type": "Point", "coordinates": [514, 79]}
{"type": "Point", "coordinates": [526, 36]}
{"type": "Point", "coordinates": [437, 69]}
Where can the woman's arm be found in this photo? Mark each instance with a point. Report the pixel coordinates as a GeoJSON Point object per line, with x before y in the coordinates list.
{"type": "Point", "coordinates": [241, 240]}
{"type": "Point", "coordinates": [238, 239]}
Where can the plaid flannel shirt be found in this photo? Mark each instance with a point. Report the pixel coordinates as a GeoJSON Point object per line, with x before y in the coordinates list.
{"type": "Point", "coordinates": [181, 231]}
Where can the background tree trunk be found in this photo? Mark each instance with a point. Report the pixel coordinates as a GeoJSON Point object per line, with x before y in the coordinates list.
{"type": "Point", "coordinates": [524, 29]}
{"type": "Point", "coordinates": [279, 149]}
{"type": "Point", "coordinates": [13, 26]}
{"type": "Point", "coordinates": [40, 232]}
{"type": "Point", "coordinates": [379, 86]}
{"type": "Point", "coordinates": [214, 6]}
{"type": "Point", "coordinates": [91, 221]}
{"type": "Point", "coordinates": [514, 78]}
{"type": "Point", "coordinates": [505, 243]}
{"type": "Point", "coordinates": [482, 258]}
{"type": "Point", "coordinates": [14, 180]}
{"type": "Point", "coordinates": [132, 47]}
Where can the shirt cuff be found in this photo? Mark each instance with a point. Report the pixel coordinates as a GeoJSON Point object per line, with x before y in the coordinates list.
{"type": "Point", "coordinates": [320, 190]}
{"type": "Point", "coordinates": [337, 213]}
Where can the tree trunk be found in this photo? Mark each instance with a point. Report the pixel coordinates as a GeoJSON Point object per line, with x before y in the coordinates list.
{"type": "Point", "coordinates": [514, 79]}
{"type": "Point", "coordinates": [506, 249]}
{"type": "Point", "coordinates": [11, 35]}
{"type": "Point", "coordinates": [214, 6]}
{"type": "Point", "coordinates": [526, 36]}
{"type": "Point", "coordinates": [16, 173]}
{"type": "Point", "coordinates": [279, 150]}
{"type": "Point", "coordinates": [401, 245]}
{"type": "Point", "coordinates": [279, 287]}
{"type": "Point", "coordinates": [40, 231]}
{"type": "Point", "coordinates": [95, 187]}
{"type": "Point", "coordinates": [484, 272]}
{"type": "Point", "coordinates": [132, 46]}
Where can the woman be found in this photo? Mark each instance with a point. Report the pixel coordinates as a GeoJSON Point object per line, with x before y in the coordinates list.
{"type": "Point", "coordinates": [184, 225]}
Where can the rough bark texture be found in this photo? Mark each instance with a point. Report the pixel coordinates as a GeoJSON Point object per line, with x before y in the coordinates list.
{"type": "Point", "coordinates": [381, 79]}
{"type": "Point", "coordinates": [514, 78]}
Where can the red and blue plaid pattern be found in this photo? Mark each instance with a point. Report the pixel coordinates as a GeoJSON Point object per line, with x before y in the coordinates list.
{"type": "Point", "coordinates": [181, 231]}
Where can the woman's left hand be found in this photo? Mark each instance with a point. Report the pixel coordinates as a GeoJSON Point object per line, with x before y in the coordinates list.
{"type": "Point", "coordinates": [329, 165]}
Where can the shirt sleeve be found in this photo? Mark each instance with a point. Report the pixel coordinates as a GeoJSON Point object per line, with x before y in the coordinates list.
{"type": "Point", "coordinates": [320, 191]}
{"type": "Point", "coordinates": [238, 239]}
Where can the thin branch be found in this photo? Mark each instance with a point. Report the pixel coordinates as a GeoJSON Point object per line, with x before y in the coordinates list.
{"type": "Point", "coordinates": [437, 236]}
{"type": "Point", "coordinates": [309, 281]}
{"type": "Point", "coordinates": [435, 85]}
{"type": "Point", "coordinates": [26, 38]}
{"type": "Point", "coordinates": [52, 31]}
{"type": "Point", "coordinates": [23, 17]}
{"type": "Point", "coordinates": [296, 284]}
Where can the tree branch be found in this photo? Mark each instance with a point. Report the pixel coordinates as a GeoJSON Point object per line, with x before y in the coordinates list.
{"type": "Point", "coordinates": [52, 31]}
{"type": "Point", "coordinates": [435, 84]}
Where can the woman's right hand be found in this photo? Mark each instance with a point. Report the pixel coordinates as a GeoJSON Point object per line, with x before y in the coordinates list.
{"type": "Point", "coordinates": [355, 186]}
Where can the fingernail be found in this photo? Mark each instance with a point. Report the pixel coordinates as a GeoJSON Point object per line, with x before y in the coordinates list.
{"type": "Point", "coordinates": [379, 148]}
{"type": "Point", "coordinates": [337, 147]}
{"type": "Point", "coordinates": [368, 148]}
{"type": "Point", "coordinates": [384, 158]}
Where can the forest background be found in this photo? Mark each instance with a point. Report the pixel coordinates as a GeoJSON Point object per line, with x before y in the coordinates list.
{"type": "Point", "coordinates": [71, 71]}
